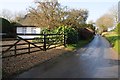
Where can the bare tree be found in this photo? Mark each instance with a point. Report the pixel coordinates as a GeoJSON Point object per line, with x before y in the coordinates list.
{"type": "Point", "coordinates": [48, 14]}
{"type": "Point", "coordinates": [51, 14]}
{"type": "Point", "coordinates": [76, 17]}
{"type": "Point", "coordinates": [7, 14]}
{"type": "Point", "coordinates": [114, 13]}
{"type": "Point", "coordinates": [91, 22]}
{"type": "Point", "coordinates": [105, 22]}
{"type": "Point", "coordinates": [18, 16]}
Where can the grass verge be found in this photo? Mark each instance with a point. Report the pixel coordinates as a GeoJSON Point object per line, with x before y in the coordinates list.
{"type": "Point", "coordinates": [114, 40]}
{"type": "Point", "coordinates": [79, 44]}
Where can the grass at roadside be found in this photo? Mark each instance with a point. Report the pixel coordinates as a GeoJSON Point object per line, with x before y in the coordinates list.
{"type": "Point", "coordinates": [114, 40]}
{"type": "Point", "coordinates": [79, 44]}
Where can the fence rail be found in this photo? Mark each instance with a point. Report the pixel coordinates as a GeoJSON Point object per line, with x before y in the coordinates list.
{"type": "Point", "coordinates": [43, 42]}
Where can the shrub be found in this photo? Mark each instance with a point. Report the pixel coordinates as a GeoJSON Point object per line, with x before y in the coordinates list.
{"type": "Point", "coordinates": [118, 28]}
{"type": "Point", "coordinates": [72, 35]}
{"type": "Point", "coordinates": [70, 32]}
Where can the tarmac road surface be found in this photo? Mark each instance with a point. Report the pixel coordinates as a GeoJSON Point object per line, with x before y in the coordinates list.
{"type": "Point", "coordinates": [96, 60]}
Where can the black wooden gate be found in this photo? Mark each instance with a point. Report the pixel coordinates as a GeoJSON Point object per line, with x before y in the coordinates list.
{"type": "Point", "coordinates": [43, 42]}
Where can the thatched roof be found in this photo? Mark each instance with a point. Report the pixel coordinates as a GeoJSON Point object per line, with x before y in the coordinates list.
{"type": "Point", "coordinates": [28, 20]}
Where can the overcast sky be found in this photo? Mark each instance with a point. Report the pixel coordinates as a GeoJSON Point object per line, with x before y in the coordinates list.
{"type": "Point", "coordinates": [96, 8]}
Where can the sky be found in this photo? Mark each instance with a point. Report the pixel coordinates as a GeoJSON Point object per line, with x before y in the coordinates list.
{"type": "Point", "coordinates": [96, 8]}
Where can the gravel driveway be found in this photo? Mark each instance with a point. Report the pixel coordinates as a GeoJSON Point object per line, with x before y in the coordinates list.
{"type": "Point", "coordinates": [15, 65]}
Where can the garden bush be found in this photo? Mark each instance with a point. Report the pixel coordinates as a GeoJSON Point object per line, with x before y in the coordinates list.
{"type": "Point", "coordinates": [71, 33]}
{"type": "Point", "coordinates": [118, 28]}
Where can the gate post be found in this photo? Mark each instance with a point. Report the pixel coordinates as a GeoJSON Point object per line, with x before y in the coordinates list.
{"type": "Point", "coordinates": [29, 48]}
{"type": "Point", "coordinates": [15, 49]}
{"type": "Point", "coordinates": [64, 40]}
{"type": "Point", "coordinates": [44, 46]}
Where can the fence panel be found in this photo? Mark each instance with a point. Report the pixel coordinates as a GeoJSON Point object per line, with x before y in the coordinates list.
{"type": "Point", "coordinates": [44, 42]}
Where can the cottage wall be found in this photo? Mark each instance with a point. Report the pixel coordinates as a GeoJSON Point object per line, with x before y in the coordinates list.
{"type": "Point", "coordinates": [28, 30]}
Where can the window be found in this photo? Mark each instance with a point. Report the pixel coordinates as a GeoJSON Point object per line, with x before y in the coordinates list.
{"type": "Point", "coordinates": [33, 30]}
{"type": "Point", "coordinates": [24, 30]}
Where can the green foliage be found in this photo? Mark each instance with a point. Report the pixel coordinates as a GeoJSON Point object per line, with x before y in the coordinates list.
{"type": "Point", "coordinates": [114, 39]}
{"type": "Point", "coordinates": [117, 45]}
{"type": "Point", "coordinates": [50, 39]}
{"type": "Point", "coordinates": [79, 44]}
{"type": "Point", "coordinates": [58, 30]}
{"type": "Point", "coordinates": [118, 29]}
{"type": "Point", "coordinates": [91, 26]}
{"type": "Point", "coordinates": [104, 22]}
{"type": "Point", "coordinates": [72, 35]}
{"type": "Point", "coordinates": [70, 32]}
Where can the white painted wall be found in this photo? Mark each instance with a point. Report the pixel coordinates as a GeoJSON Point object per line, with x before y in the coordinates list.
{"type": "Point", "coordinates": [29, 30]}
{"type": "Point", "coordinates": [19, 29]}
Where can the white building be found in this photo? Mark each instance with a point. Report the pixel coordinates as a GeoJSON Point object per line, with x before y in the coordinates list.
{"type": "Point", "coordinates": [28, 30]}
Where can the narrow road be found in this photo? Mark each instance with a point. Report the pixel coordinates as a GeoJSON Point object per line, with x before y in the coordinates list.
{"type": "Point", "coordinates": [96, 60]}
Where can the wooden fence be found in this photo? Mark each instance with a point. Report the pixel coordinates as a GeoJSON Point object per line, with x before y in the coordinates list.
{"type": "Point", "coordinates": [43, 42]}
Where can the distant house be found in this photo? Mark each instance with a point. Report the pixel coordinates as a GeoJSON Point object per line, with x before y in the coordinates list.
{"type": "Point", "coordinates": [28, 30]}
